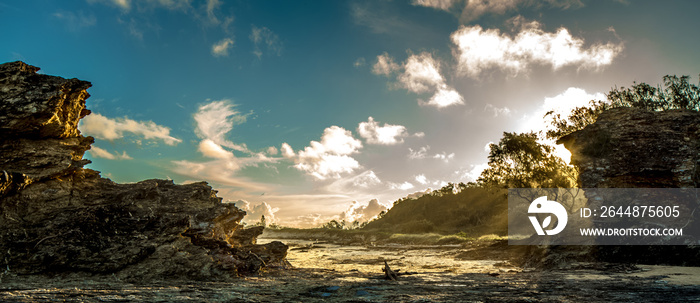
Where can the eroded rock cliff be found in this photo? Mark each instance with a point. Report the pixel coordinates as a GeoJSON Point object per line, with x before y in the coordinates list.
{"type": "Point", "coordinates": [630, 147]}
{"type": "Point", "coordinates": [635, 148]}
{"type": "Point", "coordinates": [57, 216]}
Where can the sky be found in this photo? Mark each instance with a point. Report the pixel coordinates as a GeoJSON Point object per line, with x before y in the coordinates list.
{"type": "Point", "coordinates": [307, 111]}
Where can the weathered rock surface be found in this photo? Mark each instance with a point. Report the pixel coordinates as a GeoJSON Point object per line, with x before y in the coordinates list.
{"type": "Point", "coordinates": [57, 216]}
{"type": "Point", "coordinates": [635, 148]}
{"type": "Point", "coordinates": [630, 147]}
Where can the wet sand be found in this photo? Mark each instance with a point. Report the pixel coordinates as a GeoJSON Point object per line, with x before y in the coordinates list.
{"type": "Point", "coordinates": [325, 272]}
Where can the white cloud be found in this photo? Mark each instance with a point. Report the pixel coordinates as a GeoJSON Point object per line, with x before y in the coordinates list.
{"type": "Point", "coordinates": [212, 6]}
{"type": "Point", "coordinates": [220, 48]}
{"type": "Point", "coordinates": [444, 97]}
{"type": "Point", "coordinates": [214, 121]}
{"type": "Point", "coordinates": [487, 147]}
{"type": "Point", "coordinates": [217, 118]}
{"type": "Point", "coordinates": [472, 173]}
{"type": "Point", "coordinates": [263, 36]}
{"type": "Point", "coordinates": [384, 135]}
{"type": "Point", "coordinates": [478, 50]}
{"type": "Point", "coordinates": [437, 4]}
{"type": "Point", "coordinates": [101, 153]}
{"type": "Point", "coordinates": [421, 179]}
{"type": "Point", "coordinates": [287, 151]}
{"type": "Point", "coordinates": [329, 158]}
{"type": "Point", "coordinates": [385, 65]}
{"type": "Point", "coordinates": [212, 150]}
{"type": "Point", "coordinates": [421, 153]}
{"type": "Point", "coordinates": [255, 212]}
{"type": "Point", "coordinates": [362, 213]}
{"type": "Point", "coordinates": [402, 186]}
{"type": "Point", "coordinates": [272, 151]}
{"type": "Point", "coordinates": [444, 156]}
{"type": "Point", "coordinates": [101, 127]}
{"type": "Point", "coordinates": [562, 104]}
{"type": "Point", "coordinates": [420, 74]}
{"type": "Point", "coordinates": [497, 111]}
{"type": "Point", "coordinates": [357, 184]}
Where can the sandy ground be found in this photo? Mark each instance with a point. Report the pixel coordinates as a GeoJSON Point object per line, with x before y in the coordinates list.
{"type": "Point", "coordinates": [325, 272]}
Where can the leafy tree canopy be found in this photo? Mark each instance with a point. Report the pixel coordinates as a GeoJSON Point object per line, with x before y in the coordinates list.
{"type": "Point", "coordinates": [519, 161]}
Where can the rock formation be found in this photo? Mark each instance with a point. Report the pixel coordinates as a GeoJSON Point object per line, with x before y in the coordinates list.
{"type": "Point", "coordinates": [636, 148]}
{"type": "Point", "coordinates": [56, 216]}
{"type": "Point", "coordinates": [630, 147]}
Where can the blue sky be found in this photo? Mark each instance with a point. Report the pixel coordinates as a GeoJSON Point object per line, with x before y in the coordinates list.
{"type": "Point", "coordinates": [312, 110]}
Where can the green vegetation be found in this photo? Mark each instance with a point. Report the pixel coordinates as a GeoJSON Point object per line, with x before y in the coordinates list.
{"type": "Point", "coordinates": [519, 161]}
{"type": "Point", "coordinates": [677, 93]}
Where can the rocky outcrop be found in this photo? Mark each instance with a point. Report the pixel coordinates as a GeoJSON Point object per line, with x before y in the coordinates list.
{"type": "Point", "coordinates": [636, 148]}
{"type": "Point", "coordinates": [57, 216]}
{"type": "Point", "coordinates": [630, 147]}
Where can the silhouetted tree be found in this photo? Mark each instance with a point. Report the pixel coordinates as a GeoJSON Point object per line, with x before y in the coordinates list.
{"type": "Point", "coordinates": [519, 161]}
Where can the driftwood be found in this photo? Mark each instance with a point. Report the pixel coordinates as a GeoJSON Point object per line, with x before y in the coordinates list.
{"type": "Point", "coordinates": [393, 275]}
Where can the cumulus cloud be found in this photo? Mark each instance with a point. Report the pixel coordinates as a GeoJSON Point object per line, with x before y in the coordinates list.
{"type": "Point", "coordinates": [264, 38]}
{"type": "Point", "coordinates": [478, 50]}
{"type": "Point", "coordinates": [220, 49]}
{"type": "Point", "coordinates": [361, 212]}
{"type": "Point", "coordinates": [101, 127]}
{"type": "Point", "coordinates": [329, 158]}
{"type": "Point", "coordinates": [387, 134]}
{"type": "Point", "coordinates": [419, 74]}
{"type": "Point", "coordinates": [402, 186]}
{"type": "Point", "coordinates": [272, 150]}
{"type": "Point", "coordinates": [255, 212]}
{"type": "Point", "coordinates": [421, 179]}
{"type": "Point", "coordinates": [97, 152]}
{"type": "Point", "coordinates": [385, 65]}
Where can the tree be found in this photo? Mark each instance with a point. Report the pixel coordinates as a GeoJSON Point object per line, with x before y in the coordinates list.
{"type": "Point", "coordinates": [677, 93]}
{"type": "Point", "coordinates": [519, 161]}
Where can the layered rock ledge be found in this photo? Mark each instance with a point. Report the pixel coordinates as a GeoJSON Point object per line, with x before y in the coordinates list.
{"type": "Point", "coordinates": [57, 217]}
